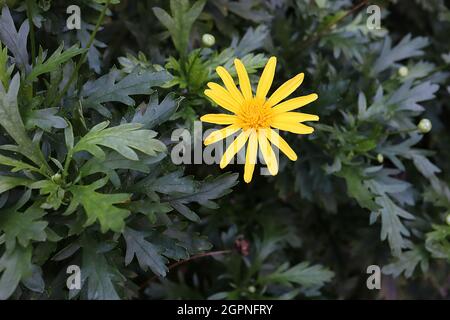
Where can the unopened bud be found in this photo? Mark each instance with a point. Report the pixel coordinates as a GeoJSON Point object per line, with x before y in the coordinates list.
{"type": "Point", "coordinates": [208, 40]}
{"type": "Point", "coordinates": [403, 71]}
{"type": "Point", "coordinates": [424, 126]}
{"type": "Point", "coordinates": [56, 178]}
{"type": "Point", "coordinates": [380, 158]}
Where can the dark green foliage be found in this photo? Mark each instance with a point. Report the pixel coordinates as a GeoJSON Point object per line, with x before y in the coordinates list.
{"type": "Point", "coordinates": [86, 176]}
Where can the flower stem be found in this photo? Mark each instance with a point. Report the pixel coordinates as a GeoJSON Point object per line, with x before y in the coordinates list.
{"type": "Point", "coordinates": [316, 36]}
{"type": "Point", "coordinates": [31, 24]}
{"type": "Point", "coordinates": [176, 264]}
{"type": "Point", "coordinates": [83, 56]}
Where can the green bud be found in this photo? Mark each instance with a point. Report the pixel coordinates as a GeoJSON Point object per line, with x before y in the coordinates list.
{"type": "Point", "coordinates": [447, 219]}
{"type": "Point", "coordinates": [403, 71]}
{"type": "Point", "coordinates": [380, 158]}
{"type": "Point", "coordinates": [251, 289]}
{"type": "Point", "coordinates": [208, 40]}
{"type": "Point", "coordinates": [56, 178]}
{"type": "Point", "coordinates": [424, 126]}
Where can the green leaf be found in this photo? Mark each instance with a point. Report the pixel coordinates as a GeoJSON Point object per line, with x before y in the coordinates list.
{"type": "Point", "coordinates": [54, 62]}
{"type": "Point", "coordinates": [150, 208]}
{"type": "Point", "coordinates": [25, 226]}
{"type": "Point", "coordinates": [5, 69]}
{"type": "Point", "coordinates": [154, 113]}
{"type": "Point", "coordinates": [100, 273]}
{"type": "Point", "coordinates": [16, 266]}
{"type": "Point", "coordinates": [252, 40]}
{"type": "Point", "coordinates": [303, 274]}
{"type": "Point", "coordinates": [147, 254]}
{"type": "Point", "coordinates": [109, 89]}
{"type": "Point", "coordinates": [11, 121]}
{"type": "Point", "coordinates": [45, 119]}
{"type": "Point", "coordinates": [15, 41]}
{"type": "Point", "coordinates": [391, 225]}
{"type": "Point", "coordinates": [170, 183]}
{"type": "Point", "coordinates": [204, 193]}
{"type": "Point", "coordinates": [16, 164]}
{"type": "Point", "coordinates": [438, 241]}
{"type": "Point", "coordinates": [387, 188]}
{"type": "Point", "coordinates": [407, 262]}
{"type": "Point", "coordinates": [181, 21]}
{"type": "Point", "coordinates": [356, 188]}
{"type": "Point", "coordinates": [406, 48]}
{"type": "Point", "coordinates": [7, 183]}
{"type": "Point", "coordinates": [123, 139]}
{"type": "Point", "coordinates": [54, 191]}
{"type": "Point", "coordinates": [35, 282]}
{"type": "Point", "coordinates": [113, 161]}
{"type": "Point", "coordinates": [99, 206]}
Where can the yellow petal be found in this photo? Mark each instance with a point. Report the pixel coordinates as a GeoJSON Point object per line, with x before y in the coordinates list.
{"type": "Point", "coordinates": [295, 117]}
{"type": "Point", "coordinates": [250, 156]}
{"type": "Point", "coordinates": [266, 78]}
{"type": "Point", "coordinates": [285, 89]}
{"type": "Point", "coordinates": [234, 148]}
{"type": "Point", "coordinates": [222, 98]}
{"type": "Point", "coordinates": [221, 134]}
{"type": "Point", "coordinates": [244, 81]}
{"type": "Point", "coordinates": [218, 118]}
{"type": "Point", "coordinates": [229, 84]}
{"type": "Point", "coordinates": [267, 152]}
{"type": "Point", "coordinates": [294, 103]}
{"type": "Point", "coordinates": [281, 144]}
{"type": "Point", "coordinates": [292, 127]}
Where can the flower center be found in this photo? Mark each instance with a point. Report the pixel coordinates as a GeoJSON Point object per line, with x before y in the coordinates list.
{"type": "Point", "coordinates": [254, 114]}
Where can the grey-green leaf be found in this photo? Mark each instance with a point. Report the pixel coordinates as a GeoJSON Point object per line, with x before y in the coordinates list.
{"type": "Point", "coordinates": [146, 253]}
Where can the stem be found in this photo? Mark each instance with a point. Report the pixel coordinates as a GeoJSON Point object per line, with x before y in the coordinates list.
{"type": "Point", "coordinates": [83, 56]}
{"type": "Point", "coordinates": [67, 163]}
{"type": "Point", "coordinates": [402, 131]}
{"type": "Point", "coordinates": [317, 36]}
{"type": "Point", "coordinates": [32, 39]}
{"type": "Point", "coordinates": [176, 264]}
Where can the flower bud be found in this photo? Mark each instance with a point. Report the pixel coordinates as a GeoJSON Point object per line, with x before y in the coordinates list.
{"type": "Point", "coordinates": [380, 158]}
{"type": "Point", "coordinates": [403, 71]}
{"type": "Point", "coordinates": [424, 126]}
{"type": "Point", "coordinates": [251, 289]}
{"type": "Point", "coordinates": [56, 178]}
{"type": "Point", "coordinates": [208, 40]}
{"type": "Point", "coordinates": [447, 219]}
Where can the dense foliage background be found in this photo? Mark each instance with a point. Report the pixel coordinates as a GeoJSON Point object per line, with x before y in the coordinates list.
{"type": "Point", "coordinates": [86, 176]}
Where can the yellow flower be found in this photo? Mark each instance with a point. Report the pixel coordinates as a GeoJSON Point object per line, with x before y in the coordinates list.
{"type": "Point", "coordinates": [255, 116]}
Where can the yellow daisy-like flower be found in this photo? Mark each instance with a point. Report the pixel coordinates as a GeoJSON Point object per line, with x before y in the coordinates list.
{"type": "Point", "coordinates": [255, 116]}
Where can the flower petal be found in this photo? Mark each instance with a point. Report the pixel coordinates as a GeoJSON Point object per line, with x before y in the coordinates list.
{"type": "Point", "coordinates": [250, 156]}
{"type": "Point", "coordinates": [222, 98]}
{"type": "Point", "coordinates": [244, 81]}
{"type": "Point", "coordinates": [229, 84]}
{"type": "Point", "coordinates": [218, 118]}
{"type": "Point", "coordinates": [281, 144]}
{"type": "Point", "coordinates": [234, 148]}
{"type": "Point", "coordinates": [267, 152]}
{"type": "Point", "coordinates": [295, 117]}
{"type": "Point", "coordinates": [292, 127]}
{"type": "Point", "coordinates": [221, 134]}
{"type": "Point", "coordinates": [294, 103]}
{"type": "Point", "coordinates": [265, 82]}
{"type": "Point", "coordinates": [286, 89]}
